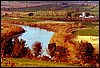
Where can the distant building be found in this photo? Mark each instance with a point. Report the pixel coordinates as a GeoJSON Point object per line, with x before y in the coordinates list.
{"type": "Point", "coordinates": [84, 15]}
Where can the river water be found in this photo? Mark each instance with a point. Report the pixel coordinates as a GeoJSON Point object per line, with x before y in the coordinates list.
{"type": "Point", "coordinates": [35, 34]}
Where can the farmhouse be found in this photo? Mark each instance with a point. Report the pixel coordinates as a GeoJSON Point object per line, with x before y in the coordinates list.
{"type": "Point", "coordinates": [86, 15]}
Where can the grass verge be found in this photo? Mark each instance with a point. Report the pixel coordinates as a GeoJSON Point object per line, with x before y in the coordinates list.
{"type": "Point", "coordinates": [24, 62]}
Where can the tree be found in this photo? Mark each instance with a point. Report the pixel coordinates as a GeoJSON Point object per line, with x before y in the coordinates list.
{"type": "Point", "coordinates": [77, 9]}
{"type": "Point", "coordinates": [75, 15]}
{"type": "Point", "coordinates": [16, 40]}
{"type": "Point", "coordinates": [52, 46]}
{"type": "Point", "coordinates": [87, 48]}
{"type": "Point", "coordinates": [30, 14]}
{"type": "Point", "coordinates": [29, 54]}
{"type": "Point", "coordinates": [37, 49]}
{"type": "Point", "coordinates": [86, 52]}
{"type": "Point", "coordinates": [69, 15]}
{"type": "Point", "coordinates": [61, 50]}
{"type": "Point", "coordinates": [16, 50]}
{"type": "Point", "coordinates": [6, 14]}
{"type": "Point", "coordinates": [6, 46]}
{"type": "Point", "coordinates": [60, 54]}
{"type": "Point", "coordinates": [92, 15]}
{"type": "Point", "coordinates": [87, 14]}
{"type": "Point", "coordinates": [52, 49]}
{"type": "Point", "coordinates": [23, 49]}
{"type": "Point", "coordinates": [16, 47]}
{"type": "Point", "coordinates": [19, 49]}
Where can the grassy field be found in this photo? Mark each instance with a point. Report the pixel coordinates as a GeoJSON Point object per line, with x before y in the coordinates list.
{"type": "Point", "coordinates": [26, 19]}
{"type": "Point", "coordinates": [94, 31]}
{"type": "Point", "coordinates": [24, 62]}
{"type": "Point", "coordinates": [39, 14]}
{"type": "Point", "coordinates": [94, 11]}
{"type": "Point", "coordinates": [90, 24]}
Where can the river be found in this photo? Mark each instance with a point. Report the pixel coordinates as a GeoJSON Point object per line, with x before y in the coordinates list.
{"type": "Point", "coordinates": [35, 34]}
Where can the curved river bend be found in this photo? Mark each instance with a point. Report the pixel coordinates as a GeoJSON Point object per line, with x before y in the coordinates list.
{"type": "Point", "coordinates": [35, 34]}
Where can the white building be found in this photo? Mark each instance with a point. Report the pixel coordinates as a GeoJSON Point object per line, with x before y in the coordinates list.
{"type": "Point", "coordinates": [83, 16]}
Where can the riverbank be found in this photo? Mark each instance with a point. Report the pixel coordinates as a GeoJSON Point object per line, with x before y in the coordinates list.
{"type": "Point", "coordinates": [9, 31]}
{"type": "Point", "coordinates": [50, 26]}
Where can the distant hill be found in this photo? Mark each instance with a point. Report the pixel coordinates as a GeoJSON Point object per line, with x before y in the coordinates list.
{"type": "Point", "coordinates": [41, 5]}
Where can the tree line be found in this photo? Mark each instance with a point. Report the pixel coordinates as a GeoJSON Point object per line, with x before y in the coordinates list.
{"type": "Point", "coordinates": [17, 49]}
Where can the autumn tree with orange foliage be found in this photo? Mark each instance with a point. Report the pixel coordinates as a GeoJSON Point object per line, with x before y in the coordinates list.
{"type": "Point", "coordinates": [37, 49]}
{"type": "Point", "coordinates": [19, 49]}
{"type": "Point", "coordinates": [86, 52]}
{"type": "Point", "coordinates": [52, 49]}
{"type": "Point", "coordinates": [58, 53]}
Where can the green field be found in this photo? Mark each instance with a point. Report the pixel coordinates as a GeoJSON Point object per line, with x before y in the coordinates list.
{"type": "Point", "coordinates": [24, 62]}
{"type": "Point", "coordinates": [38, 15]}
{"type": "Point", "coordinates": [26, 19]}
{"type": "Point", "coordinates": [94, 11]}
{"type": "Point", "coordinates": [94, 31]}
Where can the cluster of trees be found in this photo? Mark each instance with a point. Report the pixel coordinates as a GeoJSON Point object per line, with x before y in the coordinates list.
{"type": "Point", "coordinates": [58, 53]}
{"type": "Point", "coordinates": [7, 45]}
{"type": "Point", "coordinates": [87, 55]}
{"type": "Point", "coordinates": [15, 49]}
{"type": "Point", "coordinates": [19, 49]}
